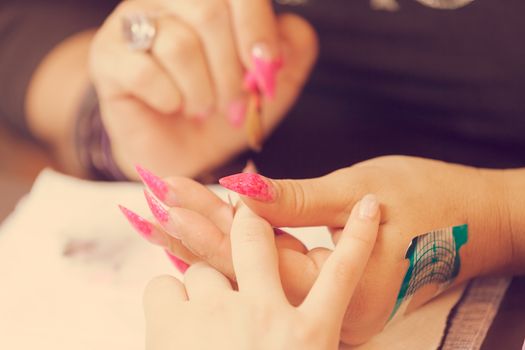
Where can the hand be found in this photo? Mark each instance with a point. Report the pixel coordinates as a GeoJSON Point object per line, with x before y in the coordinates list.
{"type": "Point", "coordinates": [172, 108]}
{"type": "Point", "coordinates": [205, 312]}
{"type": "Point", "coordinates": [417, 196]}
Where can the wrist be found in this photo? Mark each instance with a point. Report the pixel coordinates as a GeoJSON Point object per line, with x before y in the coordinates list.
{"type": "Point", "coordinates": [489, 249]}
{"type": "Point", "coordinates": [514, 201]}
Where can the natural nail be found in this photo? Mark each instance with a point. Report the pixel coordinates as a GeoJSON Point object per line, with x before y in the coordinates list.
{"type": "Point", "coordinates": [251, 185]}
{"type": "Point", "coordinates": [368, 207]}
{"type": "Point", "coordinates": [178, 263]}
{"type": "Point", "coordinates": [145, 228]}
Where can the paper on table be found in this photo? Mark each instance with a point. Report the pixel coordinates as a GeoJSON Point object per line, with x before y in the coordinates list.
{"type": "Point", "coordinates": [50, 299]}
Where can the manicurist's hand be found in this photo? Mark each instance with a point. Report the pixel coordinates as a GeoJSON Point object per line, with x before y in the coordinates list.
{"type": "Point", "coordinates": [416, 195]}
{"type": "Point", "coordinates": [178, 107]}
{"type": "Point", "coordinates": [206, 312]}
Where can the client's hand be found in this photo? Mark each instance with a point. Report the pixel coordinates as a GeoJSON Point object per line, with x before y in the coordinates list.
{"type": "Point", "coordinates": [172, 106]}
{"type": "Point", "coordinates": [417, 195]}
{"type": "Point", "coordinates": [207, 313]}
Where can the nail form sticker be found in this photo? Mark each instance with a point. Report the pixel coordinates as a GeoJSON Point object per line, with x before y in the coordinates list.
{"type": "Point", "coordinates": [433, 260]}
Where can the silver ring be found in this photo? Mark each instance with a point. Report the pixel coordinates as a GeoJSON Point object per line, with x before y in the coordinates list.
{"type": "Point", "coordinates": [139, 31]}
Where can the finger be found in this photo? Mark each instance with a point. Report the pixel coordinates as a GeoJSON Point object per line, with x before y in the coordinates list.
{"type": "Point", "coordinates": [187, 193]}
{"type": "Point", "coordinates": [255, 256]}
{"type": "Point", "coordinates": [312, 202]}
{"type": "Point", "coordinates": [286, 240]}
{"type": "Point", "coordinates": [299, 271]}
{"type": "Point", "coordinates": [202, 280]}
{"type": "Point", "coordinates": [121, 72]}
{"type": "Point", "coordinates": [342, 271]}
{"type": "Point", "coordinates": [179, 50]}
{"type": "Point", "coordinates": [257, 38]}
{"type": "Point", "coordinates": [162, 295]}
{"type": "Point", "coordinates": [135, 74]}
{"type": "Point", "coordinates": [211, 19]}
{"type": "Point", "coordinates": [203, 239]}
{"type": "Point", "coordinates": [154, 234]}
{"type": "Point", "coordinates": [194, 196]}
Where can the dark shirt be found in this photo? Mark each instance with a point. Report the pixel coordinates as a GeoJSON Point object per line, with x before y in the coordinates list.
{"type": "Point", "coordinates": [444, 84]}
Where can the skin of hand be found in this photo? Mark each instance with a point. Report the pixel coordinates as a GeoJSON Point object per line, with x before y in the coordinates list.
{"type": "Point", "coordinates": [170, 108]}
{"type": "Point", "coordinates": [205, 311]}
{"type": "Point", "coordinates": [417, 196]}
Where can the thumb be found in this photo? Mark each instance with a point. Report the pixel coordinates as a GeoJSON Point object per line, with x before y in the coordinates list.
{"type": "Point", "coordinates": [323, 201]}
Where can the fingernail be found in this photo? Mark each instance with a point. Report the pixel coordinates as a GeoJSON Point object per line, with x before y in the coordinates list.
{"type": "Point", "coordinates": [279, 232]}
{"type": "Point", "coordinates": [251, 185]}
{"type": "Point", "coordinates": [237, 113]}
{"type": "Point", "coordinates": [368, 207]}
{"type": "Point", "coordinates": [158, 211]}
{"type": "Point", "coordinates": [153, 182]}
{"type": "Point", "coordinates": [265, 69]}
{"type": "Point", "coordinates": [178, 263]}
{"type": "Point", "coordinates": [250, 82]}
{"type": "Point", "coordinates": [161, 214]}
{"type": "Point", "coordinates": [157, 186]}
{"type": "Point", "coordinates": [145, 228]}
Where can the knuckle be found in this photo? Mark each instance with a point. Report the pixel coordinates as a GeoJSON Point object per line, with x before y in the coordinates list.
{"type": "Point", "coordinates": [209, 11]}
{"type": "Point", "coordinates": [177, 42]}
{"type": "Point", "coordinates": [140, 74]}
{"type": "Point", "coordinates": [297, 196]}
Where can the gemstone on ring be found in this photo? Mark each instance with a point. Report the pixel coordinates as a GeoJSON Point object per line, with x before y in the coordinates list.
{"type": "Point", "coordinates": [139, 31]}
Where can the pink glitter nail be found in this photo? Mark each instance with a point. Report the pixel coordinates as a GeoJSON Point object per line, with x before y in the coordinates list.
{"type": "Point", "coordinates": [144, 227]}
{"type": "Point", "coordinates": [278, 232]}
{"type": "Point", "coordinates": [237, 113]}
{"type": "Point", "coordinates": [178, 263]}
{"type": "Point", "coordinates": [250, 185]}
{"type": "Point", "coordinates": [160, 213]}
{"type": "Point", "coordinates": [158, 186]}
{"type": "Point", "coordinates": [265, 69]}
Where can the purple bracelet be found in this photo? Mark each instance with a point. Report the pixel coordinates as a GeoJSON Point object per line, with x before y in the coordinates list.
{"type": "Point", "coordinates": [92, 142]}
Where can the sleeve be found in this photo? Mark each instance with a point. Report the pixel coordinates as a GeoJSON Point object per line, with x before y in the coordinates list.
{"type": "Point", "coordinates": [29, 30]}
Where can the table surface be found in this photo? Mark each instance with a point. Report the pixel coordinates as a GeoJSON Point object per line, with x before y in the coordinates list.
{"type": "Point", "coordinates": [20, 163]}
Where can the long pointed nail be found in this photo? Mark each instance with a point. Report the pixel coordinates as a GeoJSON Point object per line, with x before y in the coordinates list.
{"type": "Point", "coordinates": [251, 185]}
{"type": "Point", "coordinates": [250, 82]}
{"type": "Point", "coordinates": [145, 228]}
{"type": "Point", "coordinates": [237, 113]}
{"type": "Point", "coordinates": [157, 186]}
{"type": "Point", "coordinates": [159, 212]}
{"type": "Point", "coordinates": [178, 263]}
{"type": "Point", "coordinates": [368, 207]}
{"type": "Point", "coordinates": [265, 69]}
{"type": "Point", "coordinates": [162, 215]}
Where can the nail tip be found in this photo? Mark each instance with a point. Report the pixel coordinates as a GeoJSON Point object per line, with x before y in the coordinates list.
{"type": "Point", "coordinates": [156, 208]}
{"type": "Point", "coordinates": [140, 224]}
{"type": "Point", "coordinates": [177, 262]}
{"type": "Point", "coordinates": [153, 182]}
{"type": "Point", "coordinates": [251, 185]}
